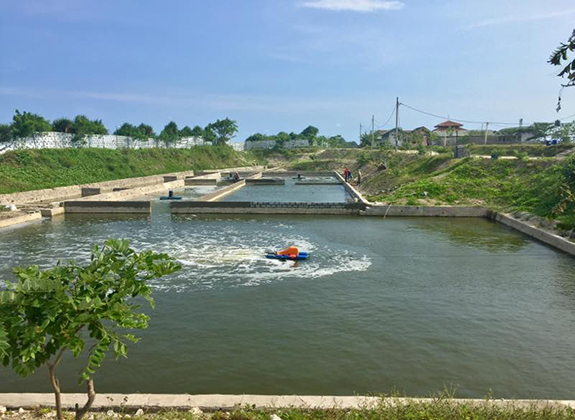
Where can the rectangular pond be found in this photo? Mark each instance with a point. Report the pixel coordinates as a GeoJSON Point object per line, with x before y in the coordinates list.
{"type": "Point", "coordinates": [407, 304]}
{"type": "Point", "coordinates": [291, 191]}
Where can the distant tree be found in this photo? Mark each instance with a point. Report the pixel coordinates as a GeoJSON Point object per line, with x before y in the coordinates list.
{"type": "Point", "coordinates": [84, 126]}
{"type": "Point", "coordinates": [560, 57]}
{"type": "Point", "coordinates": [198, 131]}
{"type": "Point", "coordinates": [5, 133]}
{"type": "Point", "coordinates": [281, 138]}
{"type": "Point", "coordinates": [540, 130]}
{"type": "Point", "coordinates": [565, 132]}
{"type": "Point", "coordinates": [141, 132]}
{"type": "Point", "coordinates": [27, 124]}
{"type": "Point", "coordinates": [126, 129]}
{"type": "Point", "coordinates": [63, 125]}
{"type": "Point", "coordinates": [434, 138]}
{"type": "Point", "coordinates": [46, 313]}
{"type": "Point", "coordinates": [224, 130]}
{"type": "Point", "coordinates": [257, 137]}
{"type": "Point", "coordinates": [170, 132]}
{"type": "Point", "coordinates": [336, 141]}
{"type": "Point", "coordinates": [209, 135]}
{"type": "Point", "coordinates": [310, 132]}
{"type": "Point", "coordinates": [146, 131]}
{"type": "Point", "coordinates": [186, 132]}
{"type": "Point", "coordinates": [319, 141]}
{"type": "Point", "coordinates": [365, 140]}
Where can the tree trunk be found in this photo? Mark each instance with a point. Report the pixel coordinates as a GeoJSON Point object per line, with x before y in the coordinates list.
{"type": "Point", "coordinates": [91, 396]}
{"type": "Point", "coordinates": [55, 383]}
{"type": "Point", "coordinates": [56, 386]}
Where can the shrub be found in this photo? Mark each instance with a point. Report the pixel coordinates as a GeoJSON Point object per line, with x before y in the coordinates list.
{"type": "Point", "coordinates": [48, 312]}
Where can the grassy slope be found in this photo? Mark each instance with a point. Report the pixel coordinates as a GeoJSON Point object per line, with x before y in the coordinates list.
{"type": "Point", "coordinates": [26, 170]}
{"type": "Point", "coordinates": [514, 149]}
{"type": "Point", "coordinates": [538, 186]}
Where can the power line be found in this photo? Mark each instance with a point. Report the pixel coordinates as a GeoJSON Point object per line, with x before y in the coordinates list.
{"type": "Point", "coordinates": [455, 119]}
{"type": "Point", "coordinates": [388, 120]}
{"type": "Point", "coordinates": [566, 118]}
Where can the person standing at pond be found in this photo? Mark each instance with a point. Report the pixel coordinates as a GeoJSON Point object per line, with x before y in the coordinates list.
{"type": "Point", "coordinates": [346, 174]}
{"type": "Point", "coordinates": [358, 176]}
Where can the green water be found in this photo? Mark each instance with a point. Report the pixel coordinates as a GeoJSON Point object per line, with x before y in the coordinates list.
{"type": "Point", "coordinates": [406, 304]}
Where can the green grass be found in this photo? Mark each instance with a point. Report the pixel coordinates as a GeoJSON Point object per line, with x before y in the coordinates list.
{"type": "Point", "coordinates": [386, 409]}
{"type": "Point", "coordinates": [540, 187]}
{"type": "Point", "coordinates": [26, 170]}
{"type": "Point", "coordinates": [536, 150]}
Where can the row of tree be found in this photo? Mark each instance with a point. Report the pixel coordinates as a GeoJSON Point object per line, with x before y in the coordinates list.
{"type": "Point", "coordinates": [311, 134]}
{"type": "Point", "coordinates": [26, 124]}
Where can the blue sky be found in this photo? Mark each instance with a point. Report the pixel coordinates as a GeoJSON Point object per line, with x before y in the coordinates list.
{"type": "Point", "coordinates": [280, 65]}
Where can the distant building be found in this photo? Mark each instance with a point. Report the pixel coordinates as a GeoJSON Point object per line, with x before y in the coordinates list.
{"type": "Point", "coordinates": [450, 128]}
{"type": "Point", "coordinates": [411, 136]}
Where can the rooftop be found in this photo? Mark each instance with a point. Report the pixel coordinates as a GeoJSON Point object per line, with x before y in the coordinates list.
{"type": "Point", "coordinates": [449, 124]}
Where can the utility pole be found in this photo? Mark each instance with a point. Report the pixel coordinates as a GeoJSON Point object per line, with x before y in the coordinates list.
{"type": "Point", "coordinates": [486, 130]}
{"type": "Point", "coordinates": [373, 131]}
{"type": "Point", "coordinates": [396, 122]}
{"type": "Point", "coordinates": [521, 130]}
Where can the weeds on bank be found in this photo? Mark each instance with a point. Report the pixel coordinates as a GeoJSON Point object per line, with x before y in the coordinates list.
{"type": "Point", "coordinates": [386, 409]}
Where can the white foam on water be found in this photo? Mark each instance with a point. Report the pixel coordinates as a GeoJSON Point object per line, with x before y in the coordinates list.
{"type": "Point", "coordinates": [230, 257]}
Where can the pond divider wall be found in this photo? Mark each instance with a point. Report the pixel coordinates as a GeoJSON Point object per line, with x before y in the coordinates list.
{"type": "Point", "coordinates": [189, 182]}
{"type": "Point", "coordinates": [222, 192]}
{"type": "Point", "coordinates": [18, 220]}
{"type": "Point", "coordinates": [210, 403]}
{"type": "Point", "coordinates": [284, 174]}
{"type": "Point", "coordinates": [107, 207]}
{"type": "Point", "coordinates": [266, 181]}
{"type": "Point", "coordinates": [250, 207]}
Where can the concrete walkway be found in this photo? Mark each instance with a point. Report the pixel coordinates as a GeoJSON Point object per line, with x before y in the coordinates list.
{"type": "Point", "coordinates": [132, 402]}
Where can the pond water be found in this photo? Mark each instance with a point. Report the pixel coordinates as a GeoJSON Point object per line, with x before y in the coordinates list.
{"type": "Point", "coordinates": [399, 304]}
{"type": "Point", "coordinates": [291, 191]}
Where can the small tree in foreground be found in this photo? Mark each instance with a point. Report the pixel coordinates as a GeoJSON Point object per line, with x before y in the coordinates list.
{"type": "Point", "coordinates": [48, 312]}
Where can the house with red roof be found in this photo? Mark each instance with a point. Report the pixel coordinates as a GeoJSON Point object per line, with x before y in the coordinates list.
{"type": "Point", "coordinates": [449, 127]}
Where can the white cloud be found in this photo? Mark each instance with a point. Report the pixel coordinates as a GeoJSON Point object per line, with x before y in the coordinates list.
{"type": "Point", "coordinates": [353, 5]}
{"type": "Point", "coordinates": [515, 19]}
{"type": "Point", "coordinates": [219, 102]}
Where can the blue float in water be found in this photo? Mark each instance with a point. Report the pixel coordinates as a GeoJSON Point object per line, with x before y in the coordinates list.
{"type": "Point", "coordinates": [301, 256]}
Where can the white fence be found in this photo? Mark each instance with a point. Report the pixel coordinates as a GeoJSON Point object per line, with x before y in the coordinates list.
{"type": "Point", "coordinates": [270, 144]}
{"type": "Point", "coordinates": [54, 140]}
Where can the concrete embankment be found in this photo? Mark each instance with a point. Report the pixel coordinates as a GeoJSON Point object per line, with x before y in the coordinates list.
{"type": "Point", "coordinates": [355, 194]}
{"type": "Point", "coordinates": [423, 211]}
{"type": "Point", "coordinates": [544, 236]}
{"type": "Point", "coordinates": [210, 403]}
